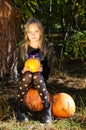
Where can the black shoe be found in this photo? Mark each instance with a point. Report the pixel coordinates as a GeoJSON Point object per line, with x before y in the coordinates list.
{"type": "Point", "coordinates": [21, 117]}
{"type": "Point", "coordinates": [47, 118]}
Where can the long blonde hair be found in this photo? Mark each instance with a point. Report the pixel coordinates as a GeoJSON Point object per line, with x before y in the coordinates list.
{"type": "Point", "coordinates": [26, 43]}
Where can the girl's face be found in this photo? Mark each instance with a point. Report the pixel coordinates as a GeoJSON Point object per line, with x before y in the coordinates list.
{"type": "Point", "coordinates": [34, 33]}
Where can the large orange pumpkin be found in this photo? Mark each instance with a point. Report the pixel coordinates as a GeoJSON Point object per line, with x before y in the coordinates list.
{"type": "Point", "coordinates": [32, 64]}
{"type": "Point", "coordinates": [63, 105]}
{"type": "Point", "coordinates": [33, 100]}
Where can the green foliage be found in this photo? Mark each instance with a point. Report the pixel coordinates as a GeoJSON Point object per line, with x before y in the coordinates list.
{"type": "Point", "coordinates": [27, 8]}
{"type": "Point", "coordinates": [75, 45]}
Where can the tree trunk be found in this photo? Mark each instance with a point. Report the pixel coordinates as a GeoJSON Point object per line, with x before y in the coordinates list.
{"type": "Point", "coordinates": [10, 23]}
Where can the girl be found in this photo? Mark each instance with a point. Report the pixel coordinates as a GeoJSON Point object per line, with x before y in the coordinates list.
{"type": "Point", "coordinates": [33, 46]}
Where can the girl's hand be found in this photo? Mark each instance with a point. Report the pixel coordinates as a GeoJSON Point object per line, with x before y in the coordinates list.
{"type": "Point", "coordinates": [24, 70]}
{"type": "Point", "coordinates": [40, 69]}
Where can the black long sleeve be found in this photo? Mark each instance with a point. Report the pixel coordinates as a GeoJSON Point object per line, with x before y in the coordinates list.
{"type": "Point", "coordinates": [38, 54]}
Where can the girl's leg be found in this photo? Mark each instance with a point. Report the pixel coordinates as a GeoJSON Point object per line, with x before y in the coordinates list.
{"type": "Point", "coordinates": [20, 107]}
{"type": "Point", "coordinates": [41, 87]}
{"type": "Point", "coordinates": [25, 84]}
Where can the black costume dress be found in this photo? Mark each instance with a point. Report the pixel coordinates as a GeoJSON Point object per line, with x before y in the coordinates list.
{"type": "Point", "coordinates": [37, 79]}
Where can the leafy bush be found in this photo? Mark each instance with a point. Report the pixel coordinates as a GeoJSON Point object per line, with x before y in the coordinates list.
{"type": "Point", "coordinates": [75, 45]}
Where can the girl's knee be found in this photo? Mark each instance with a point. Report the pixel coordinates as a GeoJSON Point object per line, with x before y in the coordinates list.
{"type": "Point", "coordinates": [27, 76]}
{"type": "Point", "coordinates": [38, 78]}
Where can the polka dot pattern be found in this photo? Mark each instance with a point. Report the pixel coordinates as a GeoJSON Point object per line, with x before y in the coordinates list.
{"type": "Point", "coordinates": [23, 79]}
{"type": "Point", "coordinates": [38, 82]}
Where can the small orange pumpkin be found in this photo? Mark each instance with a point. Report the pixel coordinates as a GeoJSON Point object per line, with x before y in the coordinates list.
{"type": "Point", "coordinates": [32, 64]}
{"type": "Point", "coordinates": [33, 100]}
{"type": "Point", "coordinates": [63, 105]}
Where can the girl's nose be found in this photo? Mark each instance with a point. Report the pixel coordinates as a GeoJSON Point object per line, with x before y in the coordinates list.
{"type": "Point", "coordinates": [33, 33]}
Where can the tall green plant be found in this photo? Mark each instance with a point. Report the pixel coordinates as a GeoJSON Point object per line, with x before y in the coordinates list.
{"type": "Point", "coordinates": [75, 45]}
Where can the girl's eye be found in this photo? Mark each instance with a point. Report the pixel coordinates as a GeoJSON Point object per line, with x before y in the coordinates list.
{"type": "Point", "coordinates": [37, 31]}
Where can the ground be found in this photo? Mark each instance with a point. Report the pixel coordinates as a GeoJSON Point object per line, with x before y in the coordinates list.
{"type": "Point", "coordinates": [71, 80]}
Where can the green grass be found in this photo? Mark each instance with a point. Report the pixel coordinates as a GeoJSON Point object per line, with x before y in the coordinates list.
{"type": "Point", "coordinates": [8, 121]}
{"type": "Point", "coordinates": [73, 123]}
